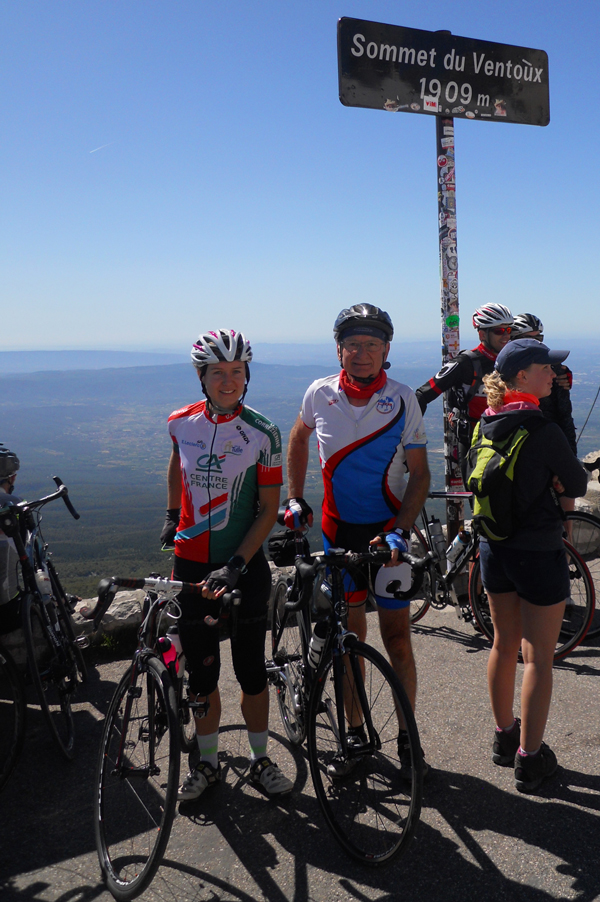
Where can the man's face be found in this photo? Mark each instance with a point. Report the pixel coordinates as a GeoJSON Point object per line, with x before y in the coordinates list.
{"type": "Point", "coordinates": [496, 338]}
{"type": "Point", "coordinates": [362, 356]}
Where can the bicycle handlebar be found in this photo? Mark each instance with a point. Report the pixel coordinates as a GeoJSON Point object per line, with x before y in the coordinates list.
{"type": "Point", "coordinates": [63, 493]}
{"type": "Point", "coordinates": [108, 587]}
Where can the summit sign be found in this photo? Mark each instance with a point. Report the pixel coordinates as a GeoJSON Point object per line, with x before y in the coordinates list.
{"type": "Point", "coordinates": [387, 67]}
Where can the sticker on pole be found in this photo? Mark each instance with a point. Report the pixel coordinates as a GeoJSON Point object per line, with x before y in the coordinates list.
{"type": "Point", "coordinates": [387, 67]}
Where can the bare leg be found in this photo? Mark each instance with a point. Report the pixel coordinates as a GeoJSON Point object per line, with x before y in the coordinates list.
{"type": "Point", "coordinates": [541, 626]}
{"type": "Point", "coordinates": [395, 633]}
{"type": "Point", "coordinates": [255, 710]}
{"type": "Point", "coordinates": [505, 608]}
{"type": "Point", "coordinates": [209, 724]}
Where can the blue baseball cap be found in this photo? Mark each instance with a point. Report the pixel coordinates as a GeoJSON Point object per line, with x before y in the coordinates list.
{"type": "Point", "coordinates": [517, 355]}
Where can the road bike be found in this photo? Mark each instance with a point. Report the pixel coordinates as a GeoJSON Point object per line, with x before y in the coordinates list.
{"type": "Point", "coordinates": [55, 662]}
{"type": "Point", "coordinates": [150, 721]}
{"type": "Point", "coordinates": [13, 709]}
{"type": "Point", "coordinates": [326, 695]}
{"type": "Point", "coordinates": [440, 577]}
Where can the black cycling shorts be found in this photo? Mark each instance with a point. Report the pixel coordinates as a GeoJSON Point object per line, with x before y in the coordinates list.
{"type": "Point", "coordinates": [200, 642]}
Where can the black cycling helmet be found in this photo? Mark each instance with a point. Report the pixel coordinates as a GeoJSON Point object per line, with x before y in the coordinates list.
{"type": "Point", "coordinates": [9, 462]}
{"type": "Point", "coordinates": [364, 319]}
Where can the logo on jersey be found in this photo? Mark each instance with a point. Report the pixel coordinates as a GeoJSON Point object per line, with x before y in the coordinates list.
{"type": "Point", "coordinates": [385, 405]}
{"type": "Point", "coordinates": [210, 462]}
{"type": "Point", "coordinates": [230, 448]}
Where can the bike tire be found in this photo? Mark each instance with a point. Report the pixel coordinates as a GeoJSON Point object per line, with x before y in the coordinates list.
{"type": "Point", "coordinates": [584, 536]}
{"type": "Point", "coordinates": [134, 804]}
{"type": "Point", "coordinates": [579, 610]}
{"type": "Point", "coordinates": [187, 721]}
{"type": "Point", "coordinates": [66, 621]}
{"type": "Point", "coordinates": [289, 681]}
{"type": "Point", "coordinates": [53, 672]}
{"type": "Point", "coordinates": [13, 711]}
{"type": "Point", "coordinates": [372, 812]}
{"type": "Point", "coordinates": [421, 604]}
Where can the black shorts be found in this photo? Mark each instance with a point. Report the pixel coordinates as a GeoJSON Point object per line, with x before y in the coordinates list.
{"type": "Point", "coordinates": [200, 642]}
{"type": "Point", "coordinates": [540, 577]}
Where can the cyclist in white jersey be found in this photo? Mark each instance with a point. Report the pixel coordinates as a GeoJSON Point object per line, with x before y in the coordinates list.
{"type": "Point", "coordinates": [223, 478]}
{"type": "Point", "coordinates": [371, 436]}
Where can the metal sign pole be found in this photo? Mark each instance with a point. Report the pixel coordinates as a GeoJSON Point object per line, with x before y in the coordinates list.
{"type": "Point", "coordinates": [449, 302]}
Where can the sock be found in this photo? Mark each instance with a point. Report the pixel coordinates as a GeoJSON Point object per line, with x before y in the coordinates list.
{"type": "Point", "coordinates": [525, 754]}
{"type": "Point", "coordinates": [209, 748]}
{"type": "Point", "coordinates": [507, 729]}
{"type": "Point", "coordinates": [258, 744]}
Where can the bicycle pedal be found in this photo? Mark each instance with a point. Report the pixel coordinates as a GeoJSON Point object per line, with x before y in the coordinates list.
{"type": "Point", "coordinates": [82, 642]}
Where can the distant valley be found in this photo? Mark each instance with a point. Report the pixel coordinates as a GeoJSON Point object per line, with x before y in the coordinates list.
{"type": "Point", "coordinates": [103, 430]}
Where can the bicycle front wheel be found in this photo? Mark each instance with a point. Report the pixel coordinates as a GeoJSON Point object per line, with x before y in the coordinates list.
{"type": "Point", "coordinates": [286, 646]}
{"type": "Point", "coordinates": [579, 609]}
{"type": "Point", "coordinates": [370, 809]}
{"type": "Point", "coordinates": [12, 715]}
{"type": "Point", "coordinates": [53, 672]}
{"type": "Point", "coordinates": [583, 532]}
{"type": "Point", "coordinates": [136, 779]}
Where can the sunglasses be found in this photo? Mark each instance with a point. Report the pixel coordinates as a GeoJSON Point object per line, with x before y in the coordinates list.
{"type": "Point", "coordinates": [501, 330]}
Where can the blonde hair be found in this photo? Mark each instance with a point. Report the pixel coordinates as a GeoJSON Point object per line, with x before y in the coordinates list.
{"type": "Point", "coordinates": [495, 389]}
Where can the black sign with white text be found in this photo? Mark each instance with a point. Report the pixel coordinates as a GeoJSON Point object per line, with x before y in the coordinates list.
{"type": "Point", "coordinates": [386, 67]}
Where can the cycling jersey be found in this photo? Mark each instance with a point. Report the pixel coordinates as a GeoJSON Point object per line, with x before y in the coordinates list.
{"type": "Point", "coordinates": [462, 377]}
{"type": "Point", "coordinates": [362, 449]}
{"type": "Point", "coordinates": [223, 464]}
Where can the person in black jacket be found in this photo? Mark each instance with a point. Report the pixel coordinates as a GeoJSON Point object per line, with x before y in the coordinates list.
{"type": "Point", "coordinates": [462, 377]}
{"type": "Point", "coordinates": [557, 406]}
{"type": "Point", "coordinates": [526, 576]}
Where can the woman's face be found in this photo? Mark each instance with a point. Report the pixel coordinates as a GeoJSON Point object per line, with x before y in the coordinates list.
{"type": "Point", "coordinates": [225, 383]}
{"type": "Point", "coordinates": [537, 380]}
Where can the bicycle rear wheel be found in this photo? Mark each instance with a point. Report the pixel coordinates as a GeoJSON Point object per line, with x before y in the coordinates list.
{"type": "Point", "coordinates": [136, 779]}
{"type": "Point", "coordinates": [12, 715]}
{"type": "Point", "coordinates": [371, 811]}
{"type": "Point", "coordinates": [53, 670]}
{"type": "Point", "coordinates": [422, 602]}
{"type": "Point", "coordinates": [579, 610]}
{"type": "Point", "coordinates": [65, 619]}
{"type": "Point", "coordinates": [287, 654]}
{"type": "Point", "coordinates": [583, 532]}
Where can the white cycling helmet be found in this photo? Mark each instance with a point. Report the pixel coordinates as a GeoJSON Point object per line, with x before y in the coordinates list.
{"type": "Point", "coordinates": [225, 344]}
{"type": "Point", "coordinates": [491, 315]}
{"type": "Point", "coordinates": [524, 323]}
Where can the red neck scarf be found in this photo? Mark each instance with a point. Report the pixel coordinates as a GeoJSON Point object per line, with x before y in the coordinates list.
{"type": "Point", "coordinates": [360, 392]}
{"type": "Point", "coordinates": [511, 396]}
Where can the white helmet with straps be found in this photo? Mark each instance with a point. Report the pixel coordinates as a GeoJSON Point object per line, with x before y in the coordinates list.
{"type": "Point", "coordinates": [491, 315]}
{"type": "Point", "coordinates": [222, 345]}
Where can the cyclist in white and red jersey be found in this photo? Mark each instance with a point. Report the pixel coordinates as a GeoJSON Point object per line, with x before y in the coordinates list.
{"type": "Point", "coordinates": [370, 434]}
{"type": "Point", "coordinates": [224, 478]}
{"type": "Point", "coordinates": [462, 377]}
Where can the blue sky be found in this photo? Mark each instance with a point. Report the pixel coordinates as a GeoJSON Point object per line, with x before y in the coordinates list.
{"type": "Point", "coordinates": [172, 166]}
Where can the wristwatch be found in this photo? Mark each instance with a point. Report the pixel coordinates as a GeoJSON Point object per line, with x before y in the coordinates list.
{"type": "Point", "coordinates": [237, 562]}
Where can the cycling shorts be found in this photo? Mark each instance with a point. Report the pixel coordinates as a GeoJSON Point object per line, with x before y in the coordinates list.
{"type": "Point", "coordinates": [356, 537]}
{"type": "Point", "coordinates": [539, 577]}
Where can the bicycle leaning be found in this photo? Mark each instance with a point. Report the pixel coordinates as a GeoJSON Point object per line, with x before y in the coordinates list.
{"type": "Point", "coordinates": [344, 697]}
{"type": "Point", "coordinates": [150, 721]}
{"type": "Point", "coordinates": [54, 658]}
{"type": "Point", "coordinates": [13, 710]}
{"type": "Point", "coordinates": [443, 570]}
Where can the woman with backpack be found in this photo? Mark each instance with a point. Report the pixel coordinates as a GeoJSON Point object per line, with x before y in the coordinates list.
{"type": "Point", "coordinates": [526, 575]}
